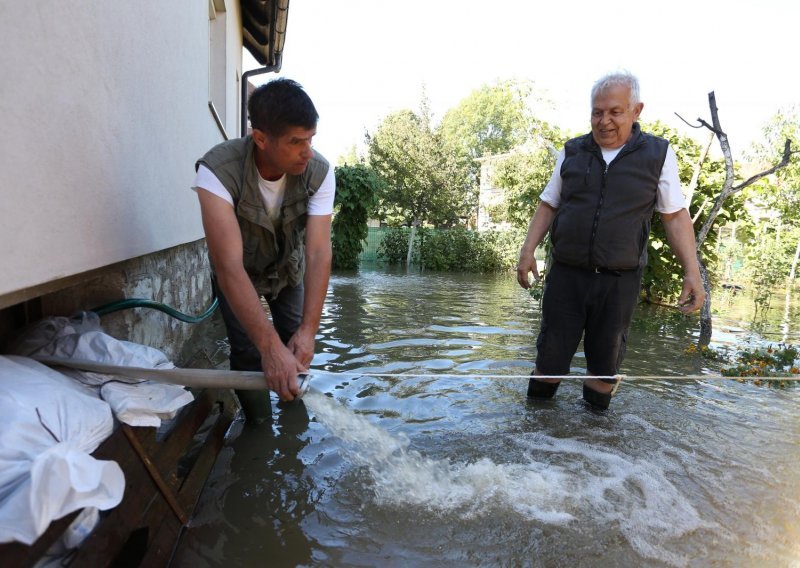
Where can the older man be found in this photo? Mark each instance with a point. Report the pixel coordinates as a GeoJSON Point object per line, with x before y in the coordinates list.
{"type": "Point", "coordinates": [597, 207]}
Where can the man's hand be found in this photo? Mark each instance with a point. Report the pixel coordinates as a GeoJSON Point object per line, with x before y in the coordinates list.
{"type": "Point", "coordinates": [692, 295]}
{"type": "Point", "coordinates": [302, 346]}
{"type": "Point", "coordinates": [526, 265]}
{"type": "Point", "coordinates": [537, 228]}
{"type": "Point", "coordinates": [680, 235]}
{"type": "Point", "coordinates": [280, 369]}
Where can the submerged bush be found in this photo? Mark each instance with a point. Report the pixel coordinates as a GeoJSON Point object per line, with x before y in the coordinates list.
{"type": "Point", "coordinates": [457, 249]}
{"type": "Point", "coordinates": [780, 362]}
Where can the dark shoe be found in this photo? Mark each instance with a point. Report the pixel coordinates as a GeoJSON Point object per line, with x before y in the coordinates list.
{"type": "Point", "coordinates": [598, 400]}
{"type": "Point", "coordinates": [540, 390]}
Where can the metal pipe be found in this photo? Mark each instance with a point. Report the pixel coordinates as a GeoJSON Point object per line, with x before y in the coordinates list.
{"type": "Point", "coordinates": [280, 16]}
{"type": "Point", "coordinates": [196, 378]}
{"type": "Point", "coordinates": [217, 119]}
{"type": "Point", "coordinates": [245, 79]}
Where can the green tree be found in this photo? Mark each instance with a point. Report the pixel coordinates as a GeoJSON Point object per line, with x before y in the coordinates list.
{"type": "Point", "coordinates": [350, 158]}
{"type": "Point", "coordinates": [522, 177]}
{"type": "Point", "coordinates": [495, 119]}
{"type": "Point", "coordinates": [424, 180]}
{"type": "Point", "coordinates": [729, 188]}
{"type": "Point", "coordinates": [780, 193]}
{"type": "Point", "coordinates": [491, 120]}
{"type": "Point", "coordinates": [783, 193]}
{"type": "Point", "coordinates": [356, 190]}
{"type": "Point", "coordinates": [663, 276]}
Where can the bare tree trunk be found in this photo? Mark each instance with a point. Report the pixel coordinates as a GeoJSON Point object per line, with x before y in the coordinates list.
{"type": "Point", "coordinates": [786, 324]}
{"type": "Point", "coordinates": [793, 271]}
{"type": "Point", "coordinates": [696, 176]}
{"type": "Point", "coordinates": [728, 189]}
{"type": "Point", "coordinates": [705, 312]}
{"type": "Point", "coordinates": [411, 236]}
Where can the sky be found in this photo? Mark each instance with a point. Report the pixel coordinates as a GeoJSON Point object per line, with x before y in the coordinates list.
{"type": "Point", "coordinates": [362, 60]}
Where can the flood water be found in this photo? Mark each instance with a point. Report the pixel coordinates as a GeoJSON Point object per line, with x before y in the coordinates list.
{"type": "Point", "coordinates": [445, 462]}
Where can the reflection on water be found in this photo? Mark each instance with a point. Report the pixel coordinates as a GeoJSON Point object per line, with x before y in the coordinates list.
{"type": "Point", "coordinates": [447, 466]}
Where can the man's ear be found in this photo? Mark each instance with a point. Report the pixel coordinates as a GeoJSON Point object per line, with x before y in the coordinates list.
{"type": "Point", "coordinates": [637, 110]}
{"type": "Point", "coordinates": [260, 138]}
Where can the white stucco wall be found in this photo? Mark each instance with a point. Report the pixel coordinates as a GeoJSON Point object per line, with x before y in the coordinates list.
{"type": "Point", "coordinates": [104, 110]}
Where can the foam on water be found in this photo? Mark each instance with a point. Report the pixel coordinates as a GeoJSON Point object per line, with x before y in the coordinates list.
{"type": "Point", "coordinates": [556, 482]}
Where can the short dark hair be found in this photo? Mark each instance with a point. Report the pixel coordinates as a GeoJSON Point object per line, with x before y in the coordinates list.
{"type": "Point", "coordinates": [279, 105]}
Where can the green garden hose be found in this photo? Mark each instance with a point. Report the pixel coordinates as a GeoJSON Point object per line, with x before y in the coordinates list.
{"type": "Point", "coordinates": [140, 303]}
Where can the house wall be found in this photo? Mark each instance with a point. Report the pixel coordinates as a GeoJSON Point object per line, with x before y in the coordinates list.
{"type": "Point", "coordinates": [105, 109]}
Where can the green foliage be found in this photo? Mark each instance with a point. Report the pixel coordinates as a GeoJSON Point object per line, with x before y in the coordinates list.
{"type": "Point", "coordinates": [350, 158]}
{"type": "Point", "coordinates": [770, 361]}
{"type": "Point", "coordinates": [493, 120]}
{"type": "Point", "coordinates": [782, 191]}
{"type": "Point", "coordinates": [424, 179]}
{"type": "Point", "coordinates": [394, 245]}
{"type": "Point", "coordinates": [490, 120]}
{"type": "Point", "coordinates": [767, 262]}
{"type": "Point", "coordinates": [778, 361]}
{"type": "Point", "coordinates": [456, 249]}
{"type": "Point", "coordinates": [356, 188]}
{"type": "Point", "coordinates": [663, 275]}
{"type": "Point", "coordinates": [522, 177]}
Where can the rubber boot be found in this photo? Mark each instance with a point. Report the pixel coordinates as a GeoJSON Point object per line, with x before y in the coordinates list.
{"type": "Point", "coordinates": [598, 400]}
{"type": "Point", "coordinates": [541, 391]}
{"type": "Point", "coordinates": [256, 405]}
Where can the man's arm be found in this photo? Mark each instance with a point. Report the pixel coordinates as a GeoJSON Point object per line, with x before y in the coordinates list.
{"type": "Point", "coordinates": [680, 235]}
{"type": "Point", "coordinates": [537, 229]}
{"type": "Point", "coordinates": [224, 242]}
{"type": "Point", "coordinates": [315, 284]}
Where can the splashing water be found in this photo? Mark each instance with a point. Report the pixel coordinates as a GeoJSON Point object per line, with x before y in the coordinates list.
{"type": "Point", "coordinates": [700, 473]}
{"type": "Point", "coordinates": [561, 481]}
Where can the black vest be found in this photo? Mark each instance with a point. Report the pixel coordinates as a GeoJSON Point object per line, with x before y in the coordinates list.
{"type": "Point", "coordinates": [603, 220]}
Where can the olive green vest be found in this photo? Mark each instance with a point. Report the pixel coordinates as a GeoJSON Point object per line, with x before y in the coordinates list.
{"type": "Point", "coordinates": [272, 260]}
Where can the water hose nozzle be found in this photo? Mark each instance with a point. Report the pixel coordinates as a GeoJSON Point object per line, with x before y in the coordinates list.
{"type": "Point", "coordinates": [304, 379]}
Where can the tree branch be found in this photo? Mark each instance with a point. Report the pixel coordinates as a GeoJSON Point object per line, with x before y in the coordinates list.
{"type": "Point", "coordinates": [689, 124]}
{"type": "Point", "coordinates": [787, 156]}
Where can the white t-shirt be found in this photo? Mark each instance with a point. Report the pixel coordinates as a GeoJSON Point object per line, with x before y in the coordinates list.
{"type": "Point", "coordinates": [670, 195]}
{"type": "Point", "coordinates": [321, 203]}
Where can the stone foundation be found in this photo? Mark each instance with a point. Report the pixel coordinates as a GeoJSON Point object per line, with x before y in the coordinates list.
{"type": "Point", "coordinates": [178, 277]}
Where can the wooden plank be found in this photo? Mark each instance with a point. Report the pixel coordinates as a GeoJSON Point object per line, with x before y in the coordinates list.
{"type": "Point", "coordinates": [165, 490]}
{"type": "Point", "coordinates": [193, 485]}
{"type": "Point", "coordinates": [144, 526]}
{"type": "Point", "coordinates": [18, 555]}
{"type": "Point", "coordinates": [117, 525]}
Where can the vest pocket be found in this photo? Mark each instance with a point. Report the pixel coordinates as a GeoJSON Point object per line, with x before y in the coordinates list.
{"type": "Point", "coordinates": [296, 264]}
{"type": "Point", "coordinates": [254, 260]}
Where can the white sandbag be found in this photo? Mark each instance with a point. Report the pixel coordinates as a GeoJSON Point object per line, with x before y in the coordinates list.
{"type": "Point", "coordinates": [48, 427]}
{"type": "Point", "coordinates": [80, 337]}
{"type": "Point", "coordinates": [145, 404]}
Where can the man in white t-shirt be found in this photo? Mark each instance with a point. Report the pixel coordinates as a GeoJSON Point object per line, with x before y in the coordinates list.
{"type": "Point", "coordinates": [597, 208]}
{"type": "Point", "coordinates": [267, 202]}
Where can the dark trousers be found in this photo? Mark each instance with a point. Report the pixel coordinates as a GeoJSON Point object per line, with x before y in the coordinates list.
{"type": "Point", "coordinates": [582, 303]}
{"type": "Point", "coordinates": [287, 312]}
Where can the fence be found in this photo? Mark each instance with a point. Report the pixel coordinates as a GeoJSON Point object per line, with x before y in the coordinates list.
{"type": "Point", "coordinates": [371, 244]}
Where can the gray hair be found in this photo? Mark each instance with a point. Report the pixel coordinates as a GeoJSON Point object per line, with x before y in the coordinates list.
{"type": "Point", "coordinates": [624, 78]}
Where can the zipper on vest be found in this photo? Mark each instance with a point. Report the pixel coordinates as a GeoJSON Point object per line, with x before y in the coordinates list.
{"type": "Point", "coordinates": [596, 220]}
